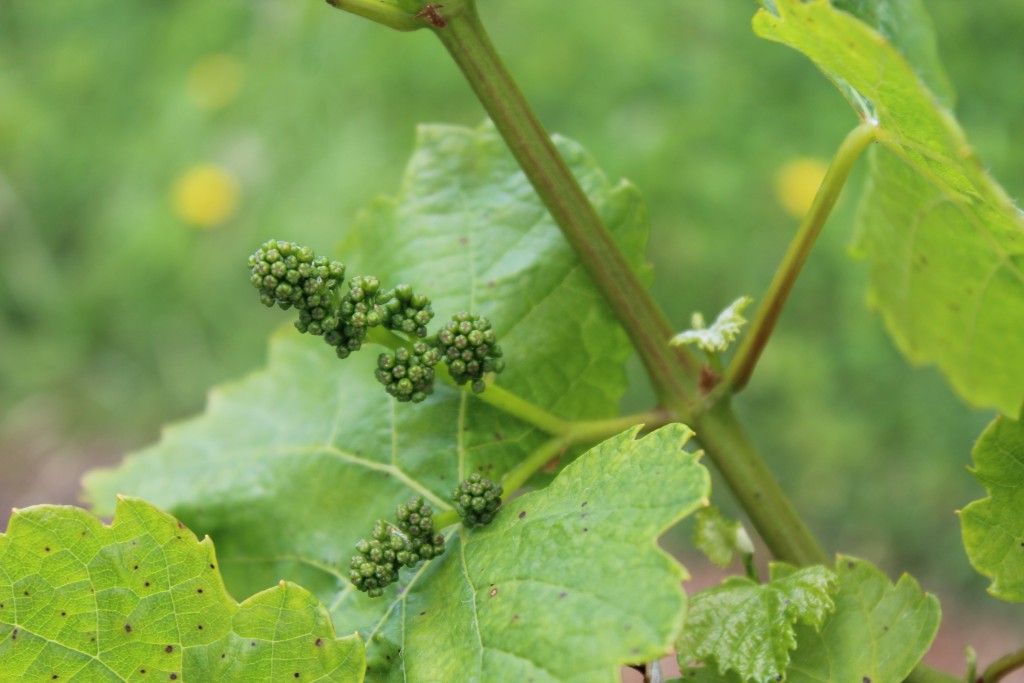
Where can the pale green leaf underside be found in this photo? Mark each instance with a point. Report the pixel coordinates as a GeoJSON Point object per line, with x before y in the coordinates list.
{"type": "Point", "coordinates": [906, 24]}
{"type": "Point", "coordinates": [748, 628]}
{"type": "Point", "coordinates": [946, 245]}
{"type": "Point", "coordinates": [878, 632]}
{"type": "Point", "coordinates": [143, 599]}
{"type": "Point", "coordinates": [289, 467]}
{"type": "Point", "coordinates": [993, 528]}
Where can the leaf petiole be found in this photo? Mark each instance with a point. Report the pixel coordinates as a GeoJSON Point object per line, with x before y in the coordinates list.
{"type": "Point", "coordinates": [1003, 667]}
{"type": "Point", "coordinates": [770, 309]}
{"type": "Point", "coordinates": [380, 11]}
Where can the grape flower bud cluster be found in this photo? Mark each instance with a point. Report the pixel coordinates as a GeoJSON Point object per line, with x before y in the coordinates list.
{"type": "Point", "coordinates": [292, 276]}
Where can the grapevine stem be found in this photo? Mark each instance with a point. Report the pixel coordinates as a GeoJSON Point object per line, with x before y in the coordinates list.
{"type": "Point", "coordinates": [381, 12]}
{"type": "Point", "coordinates": [770, 309]}
{"type": "Point", "coordinates": [1004, 666]}
{"type": "Point", "coordinates": [648, 328]}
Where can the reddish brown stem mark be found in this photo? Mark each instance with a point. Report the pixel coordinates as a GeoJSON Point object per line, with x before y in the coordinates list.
{"type": "Point", "coordinates": [431, 15]}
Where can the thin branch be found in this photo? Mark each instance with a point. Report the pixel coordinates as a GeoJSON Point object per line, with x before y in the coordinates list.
{"type": "Point", "coordinates": [770, 309]}
{"type": "Point", "coordinates": [382, 12]}
{"type": "Point", "coordinates": [1003, 667]}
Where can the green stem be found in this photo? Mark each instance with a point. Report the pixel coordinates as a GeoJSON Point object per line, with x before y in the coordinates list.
{"type": "Point", "coordinates": [578, 431]}
{"type": "Point", "coordinates": [381, 12]}
{"type": "Point", "coordinates": [1002, 667]}
{"type": "Point", "coordinates": [592, 431]}
{"type": "Point", "coordinates": [751, 481]}
{"type": "Point", "coordinates": [646, 325]}
{"type": "Point", "coordinates": [446, 518]}
{"type": "Point", "coordinates": [518, 475]}
{"type": "Point", "coordinates": [770, 309]}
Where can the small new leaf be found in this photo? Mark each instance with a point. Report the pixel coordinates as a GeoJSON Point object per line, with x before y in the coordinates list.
{"type": "Point", "coordinates": [993, 528]}
{"type": "Point", "coordinates": [719, 537]}
{"type": "Point", "coordinates": [143, 599]}
{"type": "Point", "coordinates": [749, 628]}
{"type": "Point", "coordinates": [722, 332]}
{"type": "Point", "coordinates": [878, 632]}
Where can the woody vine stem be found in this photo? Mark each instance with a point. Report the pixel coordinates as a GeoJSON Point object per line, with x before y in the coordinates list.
{"type": "Point", "coordinates": [673, 371]}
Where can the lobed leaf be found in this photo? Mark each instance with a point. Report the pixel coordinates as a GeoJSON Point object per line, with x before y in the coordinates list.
{"type": "Point", "coordinates": [877, 633]}
{"type": "Point", "coordinates": [945, 243]}
{"type": "Point", "coordinates": [993, 528]}
{"type": "Point", "coordinates": [578, 559]}
{"type": "Point", "coordinates": [143, 599]}
{"type": "Point", "coordinates": [749, 628]}
{"type": "Point", "coordinates": [289, 467]}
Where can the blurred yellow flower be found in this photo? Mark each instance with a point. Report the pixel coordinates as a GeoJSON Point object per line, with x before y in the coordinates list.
{"type": "Point", "coordinates": [205, 195]}
{"type": "Point", "coordinates": [215, 81]}
{"type": "Point", "coordinates": [796, 183]}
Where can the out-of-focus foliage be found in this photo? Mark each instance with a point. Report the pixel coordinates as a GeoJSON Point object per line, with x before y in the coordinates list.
{"type": "Point", "coordinates": [116, 312]}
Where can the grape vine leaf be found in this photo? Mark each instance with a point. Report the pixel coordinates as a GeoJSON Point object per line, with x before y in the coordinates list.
{"type": "Point", "coordinates": [993, 528]}
{"type": "Point", "coordinates": [290, 466]}
{"type": "Point", "coordinates": [578, 558]}
{"type": "Point", "coordinates": [143, 598]}
{"type": "Point", "coordinates": [946, 244]}
{"type": "Point", "coordinates": [748, 628]}
{"type": "Point", "coordinates": [907, 26]}
{"type": "Point", "coordinates": [878, 632]}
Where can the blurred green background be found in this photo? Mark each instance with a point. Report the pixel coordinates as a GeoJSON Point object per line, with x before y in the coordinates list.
{"type": "Point", "coordinates": [146, 148]}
